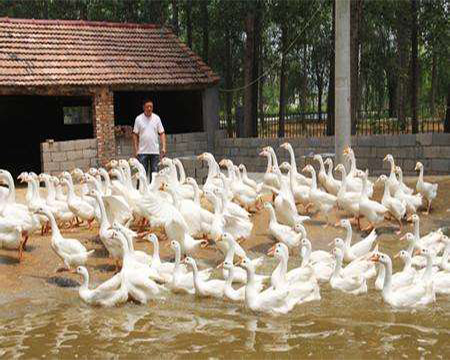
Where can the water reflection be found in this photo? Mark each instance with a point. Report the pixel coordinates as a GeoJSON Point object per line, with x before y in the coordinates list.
{"type": "Point", "coordinates": [340, 325]}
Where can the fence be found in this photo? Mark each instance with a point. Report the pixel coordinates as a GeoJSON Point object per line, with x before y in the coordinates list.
{"type": "Point", "coordinates": [310, 124]}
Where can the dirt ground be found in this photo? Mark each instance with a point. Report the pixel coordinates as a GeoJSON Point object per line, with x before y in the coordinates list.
{"type": "Point", "coordinates": [37, 271]}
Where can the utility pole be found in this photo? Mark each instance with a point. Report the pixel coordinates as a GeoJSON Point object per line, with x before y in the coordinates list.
{"type": "Point", "coordinates": [342, 79]}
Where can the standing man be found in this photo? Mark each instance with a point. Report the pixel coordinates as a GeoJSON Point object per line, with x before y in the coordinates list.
{"type": "Point", "coordinates": [147, 128]}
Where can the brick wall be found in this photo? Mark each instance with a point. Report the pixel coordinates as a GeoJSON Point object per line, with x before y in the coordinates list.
{"type": "Point", "coordinates": [67, 155]}
{"type": "Point", "coordinates": [103, 121]}
{"type": "Point", "coordinates": [432, 149]}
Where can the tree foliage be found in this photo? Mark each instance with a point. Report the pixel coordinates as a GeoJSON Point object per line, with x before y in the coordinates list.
{"type": "Point", "coordinates": [384, 52]}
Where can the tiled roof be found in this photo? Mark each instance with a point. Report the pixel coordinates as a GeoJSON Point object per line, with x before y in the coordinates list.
{"type": "Point", "coordinates": [65, 52]}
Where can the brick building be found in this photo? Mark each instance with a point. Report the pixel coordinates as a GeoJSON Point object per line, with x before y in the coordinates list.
{"type": "Point", "coordinates": [67, 80]}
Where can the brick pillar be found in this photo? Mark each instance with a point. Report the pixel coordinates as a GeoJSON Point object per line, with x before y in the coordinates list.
{"type": "Point", "coordinates": [103, 114]}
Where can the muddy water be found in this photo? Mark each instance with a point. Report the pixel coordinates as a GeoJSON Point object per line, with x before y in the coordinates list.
{"type": "Point", "coordinates": [40, 318]}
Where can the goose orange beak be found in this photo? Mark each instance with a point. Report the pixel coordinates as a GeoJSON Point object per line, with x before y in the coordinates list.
{"type": "Point", "coordinates": [271, 251]}
{"type": "Point", "coordinates": [375, 258]}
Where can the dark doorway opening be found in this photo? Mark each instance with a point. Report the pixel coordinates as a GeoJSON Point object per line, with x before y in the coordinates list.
{"type": "Point", "coordinates": [180, 111]}
{"type": "Point", "coordinates": [30, 120]}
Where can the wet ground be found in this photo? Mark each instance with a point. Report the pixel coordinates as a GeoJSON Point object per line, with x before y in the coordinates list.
{"type": "Point", "coordinates": [42, 315]}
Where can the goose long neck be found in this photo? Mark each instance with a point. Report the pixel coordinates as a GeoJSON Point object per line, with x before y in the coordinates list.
{"type": "Point", "coordinates": [103, 218]}
{"type": "Point", "coordinates": [143, 183]}
{"type": "Point", "coordinates": [388, 278]}
{"type": "Point", "coordinates": [364, 187]}
{"type": "Point", "coordinates": [337, 266]}
{"type": "Point", "coordinates": [321, 164]}
{"type": "Point", "coordinates": [177, 258]}
{"type": "Point", "coordinates": [230, 253]}
{"type": "Point", "coordinates": [306, 254]}
{"type": "Point", "coordinates": [274, 159]}
{"type": "Point", "coordinates": [407, 265]}
{"type": "Point", "coordinates": [421, 174]}
{"type": "Point", "coordinates": [428, 270]}
{"type": "Point", "coordinates": [313, 180]}
{"type": "Point", "coordinates": [269, 163]}
{"type": "Point", "coordinates": [272, 215]}
{"type": "Point", "coordinates": [11, 188]}
{"type": "Point", "coordinates": [352, 163]}
{"type": "Point", "coordinates": [70, 190]}
{"type": "Point", "coordinates": [417, 230]}
{"type": "Point", "coordinates": [386, 193]}
{"type": "Point", "coordinates": [293, 161]}
{"type": "Point", "coordinates": [53, 224]}
{"type": "Point", "coordinates": [381, 274]}
{"type": "Point", "coordinates": [230, 276]}
{"type": "Point", "coordinates": [51, 194]}
{"type": "Point", "coordinates": [182, 172]}
{"type": "Point", "coordinates": [85, 283]}
{"type": "Point", "coordinates": [391, 161]}
{"type": "Point", "coordinates": [196, 192]}
{"type": "Point", "coordinates": [348, 238]}
{"type": "Point", "coordinates": [343, 187]}
{"type": "Point", "coordinates": [156, 257]}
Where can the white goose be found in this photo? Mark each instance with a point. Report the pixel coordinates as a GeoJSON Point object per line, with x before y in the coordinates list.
{"type": "Point", "coordinates": [322, 174]}
{"type": "Point", "coordinates": [110, 293]}
{"type": "Point", "coordinates": [405, 189]}
{"type": "Point", "coordinates": [362, 247]}
{"type": "Point", "coordinates": [182, 280]}
{"type": "Point", "coordinates": [70, 251]}
{"type": "Point", "coordinates": [372, 210]}
{"type": "Point", "coordinates": [212, 180]}
{"type": "Point", "coordinates": [353, 283]}
{"type": "Point", "coordinates": [300, 179]}
{"type": "Point", "coordinates": [79, 207]}
{"type": "Point", "coordinates": [354, 183]}
{"type": "Point", "coordinates": [428, 190]}
{"type": "Point", "coordinates": [136, 277]}
{"type": "Point", "coordinates": [270, 179]}
{"type": "Point", "coordinates": [418, 294]}
{"type": "Point", "coordinates": [404, 193]}
{"type": "Point", "coordinates": [391, 182]}
{"type": "Point", "coordinates": [11, 235]}
{"type": "Point", "coordinates": [396, 207]}
{"type": "Point", "coordinates": [232, 248]}
{"type": "Point", "coordinates": [331, 184]}
{"type": "Point", "coordinates": [323, 267]}
{"type": "Point", "coordinates": [323, 201]}
{"type": "Point", "coordinates": [399, 279]}
{"type": "Point", "coordinates": [349, 201]}
{"type": "Point", "coordinates": [305, 288]}
{"type": "Point", "coordinates": [211, 288]}
{"type": "Point", "coordinates": [282, 233]}
{"type": "Point", "coordinates": [270, 301]}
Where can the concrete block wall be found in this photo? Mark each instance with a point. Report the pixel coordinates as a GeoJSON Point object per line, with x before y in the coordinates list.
{"type": "Point", "coordinates": [183, 146]}
{"type": "Point", "coordinates": [57, 156]}
{"type": "Point", "coordinates": [432, 149]}
{"type": "Point", "coordinates": [178, 145]}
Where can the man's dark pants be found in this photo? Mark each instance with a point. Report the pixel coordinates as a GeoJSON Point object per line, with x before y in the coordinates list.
{"type": "Point", "coordinates": [150, 163]}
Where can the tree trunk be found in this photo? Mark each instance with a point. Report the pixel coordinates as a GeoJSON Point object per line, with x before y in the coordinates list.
{"type": "Point", "coordinates": [402, 24]}
{"type": "Point", "coordinates": [175, 25]}
{"type": "Point", "coordinates": [355, 21]}
{"type": "Point", "coordinates": [447, 112]}
{"type": "Point", "coordinates": [248, 73]}
{"type": "Point", "coordinates": [433, 84]}
{"type": "Point", "coordinates": [330, 99]}
{"type": "Point", "coordinates": [228, 81]}
{"type": "Point", "coordinates": [83, 8]}
{"type": "Point", "coordinates": [189, 22]}
{"type": "Point", "coordinates": [392, 94]}
{"type": "Point", "coordinates": [261, 85]}
{"type": "Point", "coordinates": [414, 68]}
{"type": "Point", "coordinates": [255, 66]}
{"type": "Point", "coordinates": [282, 111]}
{"type": "Point", "coordinates": [205, 30]}
{"type": "Point", "coordinates": [319, 77]}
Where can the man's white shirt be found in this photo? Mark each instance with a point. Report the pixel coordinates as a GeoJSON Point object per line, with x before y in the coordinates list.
{"type": "Point", "coordinates": [148, 129]}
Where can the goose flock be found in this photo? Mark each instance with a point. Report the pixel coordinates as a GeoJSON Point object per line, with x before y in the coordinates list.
{"type": "Point", "coordinates": [187, 216]}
